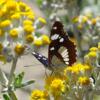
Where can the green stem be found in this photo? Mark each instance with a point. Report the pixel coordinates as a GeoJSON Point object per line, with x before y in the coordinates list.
{"type": "Point", "coordinates": [12, 95]}
{"type": "Point", "coordinates": [13, 67]}
{"type": "Point", "coordinates": [12, 71]}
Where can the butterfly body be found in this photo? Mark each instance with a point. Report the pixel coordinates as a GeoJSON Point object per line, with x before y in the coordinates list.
{"type": "Point", "coordinates": [62, 51]}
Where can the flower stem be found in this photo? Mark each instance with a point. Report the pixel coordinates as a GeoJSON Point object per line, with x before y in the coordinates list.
{"type": "Point", "coordinates": [12, 70]}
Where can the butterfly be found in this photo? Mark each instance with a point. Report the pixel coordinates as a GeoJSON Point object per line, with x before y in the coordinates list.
{"type": "Point", "coordinates": [61, 52]}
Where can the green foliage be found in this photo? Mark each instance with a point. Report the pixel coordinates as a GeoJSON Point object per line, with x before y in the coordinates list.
{"type": "Point", "coordinates": [6, 97]}
{"type": "Point", "coordinates": [39, 2]}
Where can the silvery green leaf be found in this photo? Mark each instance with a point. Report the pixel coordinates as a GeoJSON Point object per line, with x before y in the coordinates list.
{"type": "Point", "coordinates": [6, 97]}
{"type": "Point", "coordinates": [12, 95]}
{"type": "Point", "coordinates": [18, 79]}
{"type": "Point", "coordinates": [3, 78]}
{"type": "Point", "coordinates": [25, 84]}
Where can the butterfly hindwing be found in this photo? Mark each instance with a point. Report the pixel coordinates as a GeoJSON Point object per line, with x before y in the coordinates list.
{"type": "Point", "coordinates": [61, 46]}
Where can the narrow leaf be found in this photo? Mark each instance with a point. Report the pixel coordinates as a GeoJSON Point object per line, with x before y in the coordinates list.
{"type": "Point", "coordinates": [25, 84]}
{"type": "Point", "coordinates": [12, 95]}
{"type": "Point", "coordinates": [6, 97]}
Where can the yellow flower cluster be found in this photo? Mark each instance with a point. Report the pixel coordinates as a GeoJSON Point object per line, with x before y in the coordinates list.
{"type": "Point", "coordinates": [77, 75]}
{"type": "Point", "coordinates": [91, 57]}
{"type": "Point", "coordinates": [85, 19]}
{"type": "Point", "coordinates": [78, 69]}
{"type": "Point", "coordinates": [18, 27]}
{"type": "Point", "coordinates": [39, 95]}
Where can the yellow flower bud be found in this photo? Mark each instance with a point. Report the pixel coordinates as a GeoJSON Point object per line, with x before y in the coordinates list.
{"type": "Point", "coordinates": [27, 22]}
{"type": "Point", "coordinates": [42, 20]}
{"type": "Point", "coordinates": [16, 16]}
{"type": "Point", "coordinates": [92, 54]}
{"type": "Point", "coordinates": [1, 47]}
{"type": "Point", "coordinates": [11, 5]}
{"type": "Point", "coordinates": [80, 26]}
{"type": "Point", "coordinates": [19, 49]}
{"type": "Point", "coordinates": [93, 49]}
{"type": "Point", "coordinates": [3, 12]}
{"type": "Point", "coordinates": [5, 23]}
{"type": "Point", "coordinates": [57, 86]}
{"type": "Point", "coordinates": [93, 21]}
{"type": "Point", "coordinates": [1, 33]}
{"type": "Point", "coordinates": [3, 58]}
{"type": "Point", "coordinates": [99, 45]}
{"type": "Point", "coordinates": [31, 17]}
{"type": "Point", "coordinates": [29, 38]}
{"type": "Point", "coordinates": [13, 33]}
{"type": "Point", "coordinates": [45, 39]}
{"type": "Point", "coordinates": [75, 19]}
{"type": "Point", "coordinates": [39, 95]}
{"type": "Point", "coordinates": [28, 29]}
{"type": "Point", "coordinates": [84, 19]}
{"type": "Point", "coordinates": [84, 81]}
{"type": "Point", "coordinates": [38, 42]}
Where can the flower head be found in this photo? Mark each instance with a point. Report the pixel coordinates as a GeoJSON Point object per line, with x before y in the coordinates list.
{"type": "Point", "coordinates": [5, 23]}
{"type": "Point", "coordinates": [19, 49]}
{"type": "Point", "coordinates": [84, 81]}
{"type": "Point", "coordinates": [45, 39]}
{"type": "Point", "coordinates": [13, 33]}
{"type": "Point", "coordinates": [57, 86]}
{"type": "Point", "coordinates": [39, 95]}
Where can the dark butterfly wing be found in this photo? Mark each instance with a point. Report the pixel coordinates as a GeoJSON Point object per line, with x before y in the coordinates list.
{"type": "Point", "coordinates": [61, 48]}
{"type": "Point", "coordinates": [41, 58]}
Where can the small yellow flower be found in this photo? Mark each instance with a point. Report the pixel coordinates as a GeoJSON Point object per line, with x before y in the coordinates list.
{"type": "Point", "coordinates": [42, 20]}
{"type": "Point", "coordinates": [19, 49]}
{"type": "Point", "coordinates": [11, 5]}
{"type": "Point", "coordinates": [87, 68]}
{"type": "Point", "coordinates": [22, 6]}
{"type": "Point", "coordinates": [89, 15]}
{"type": "Point", "coordinates": [84, 19]}
{"type": "Point", "coordinates": [16, 16]}
{"type": "Point", "coordinates": [80, 26]}
{"type": "Point", "coordinates": [3, 12]}
{"type": "Point", "coordinates": [28, 29]}
{"type": "Point", "coordinates": [75, 69]}
{"type": "Point", "coordinates": [93, 21]}
{"type": "Point", "coordinates": [1, 47]}
{"type": "Point", "coordinates": [45, 39]}
{"type": "Point", "coordinates": [27, 22]}
{"type": "Point", "coordinates": [93, 49]}
{"type": "Point", "coordinates": [75, 19]}
{"type": "Point", "coordinates": [84, 81]}
{"type": "Point", "coordinates": [57, 86]}
{"type": "Point", "coordinates": [13, 33]}
{"type": "Point", "coordinates": [38, 42]}
{"type": "Point", "coordinates": [39, 95]}
{"type": "Point", "coordinates": [1, 33]}
{"type": "Point", "coordinates": [3, 58]}
{"type": "Point", "coordinates": [99, 45]}
{"type": "Point", "coordinates": [5, 23]}
{"type": "Point", "coordinates": [29, 38]}
{"type": "Point", "coordinates": [31, 17]}
{"type": "Point", "coordinates": [92, 54]}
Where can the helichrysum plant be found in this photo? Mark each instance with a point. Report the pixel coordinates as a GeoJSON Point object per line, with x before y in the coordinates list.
{"type": "Point", "coordinates": [80, 81]}
{"type": "Point", "coordinates": [18, 32]}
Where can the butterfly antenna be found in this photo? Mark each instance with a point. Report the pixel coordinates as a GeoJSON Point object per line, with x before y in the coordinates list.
{"type": "Point", "coordinates": [31, 65]}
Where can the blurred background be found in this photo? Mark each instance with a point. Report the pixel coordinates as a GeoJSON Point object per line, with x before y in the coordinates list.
{"type": "Point", "coordinates": [80, 19]}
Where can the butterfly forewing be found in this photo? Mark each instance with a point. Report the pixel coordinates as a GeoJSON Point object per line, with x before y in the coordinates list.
{"type": "Point", "coordinates": [41, 58]}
